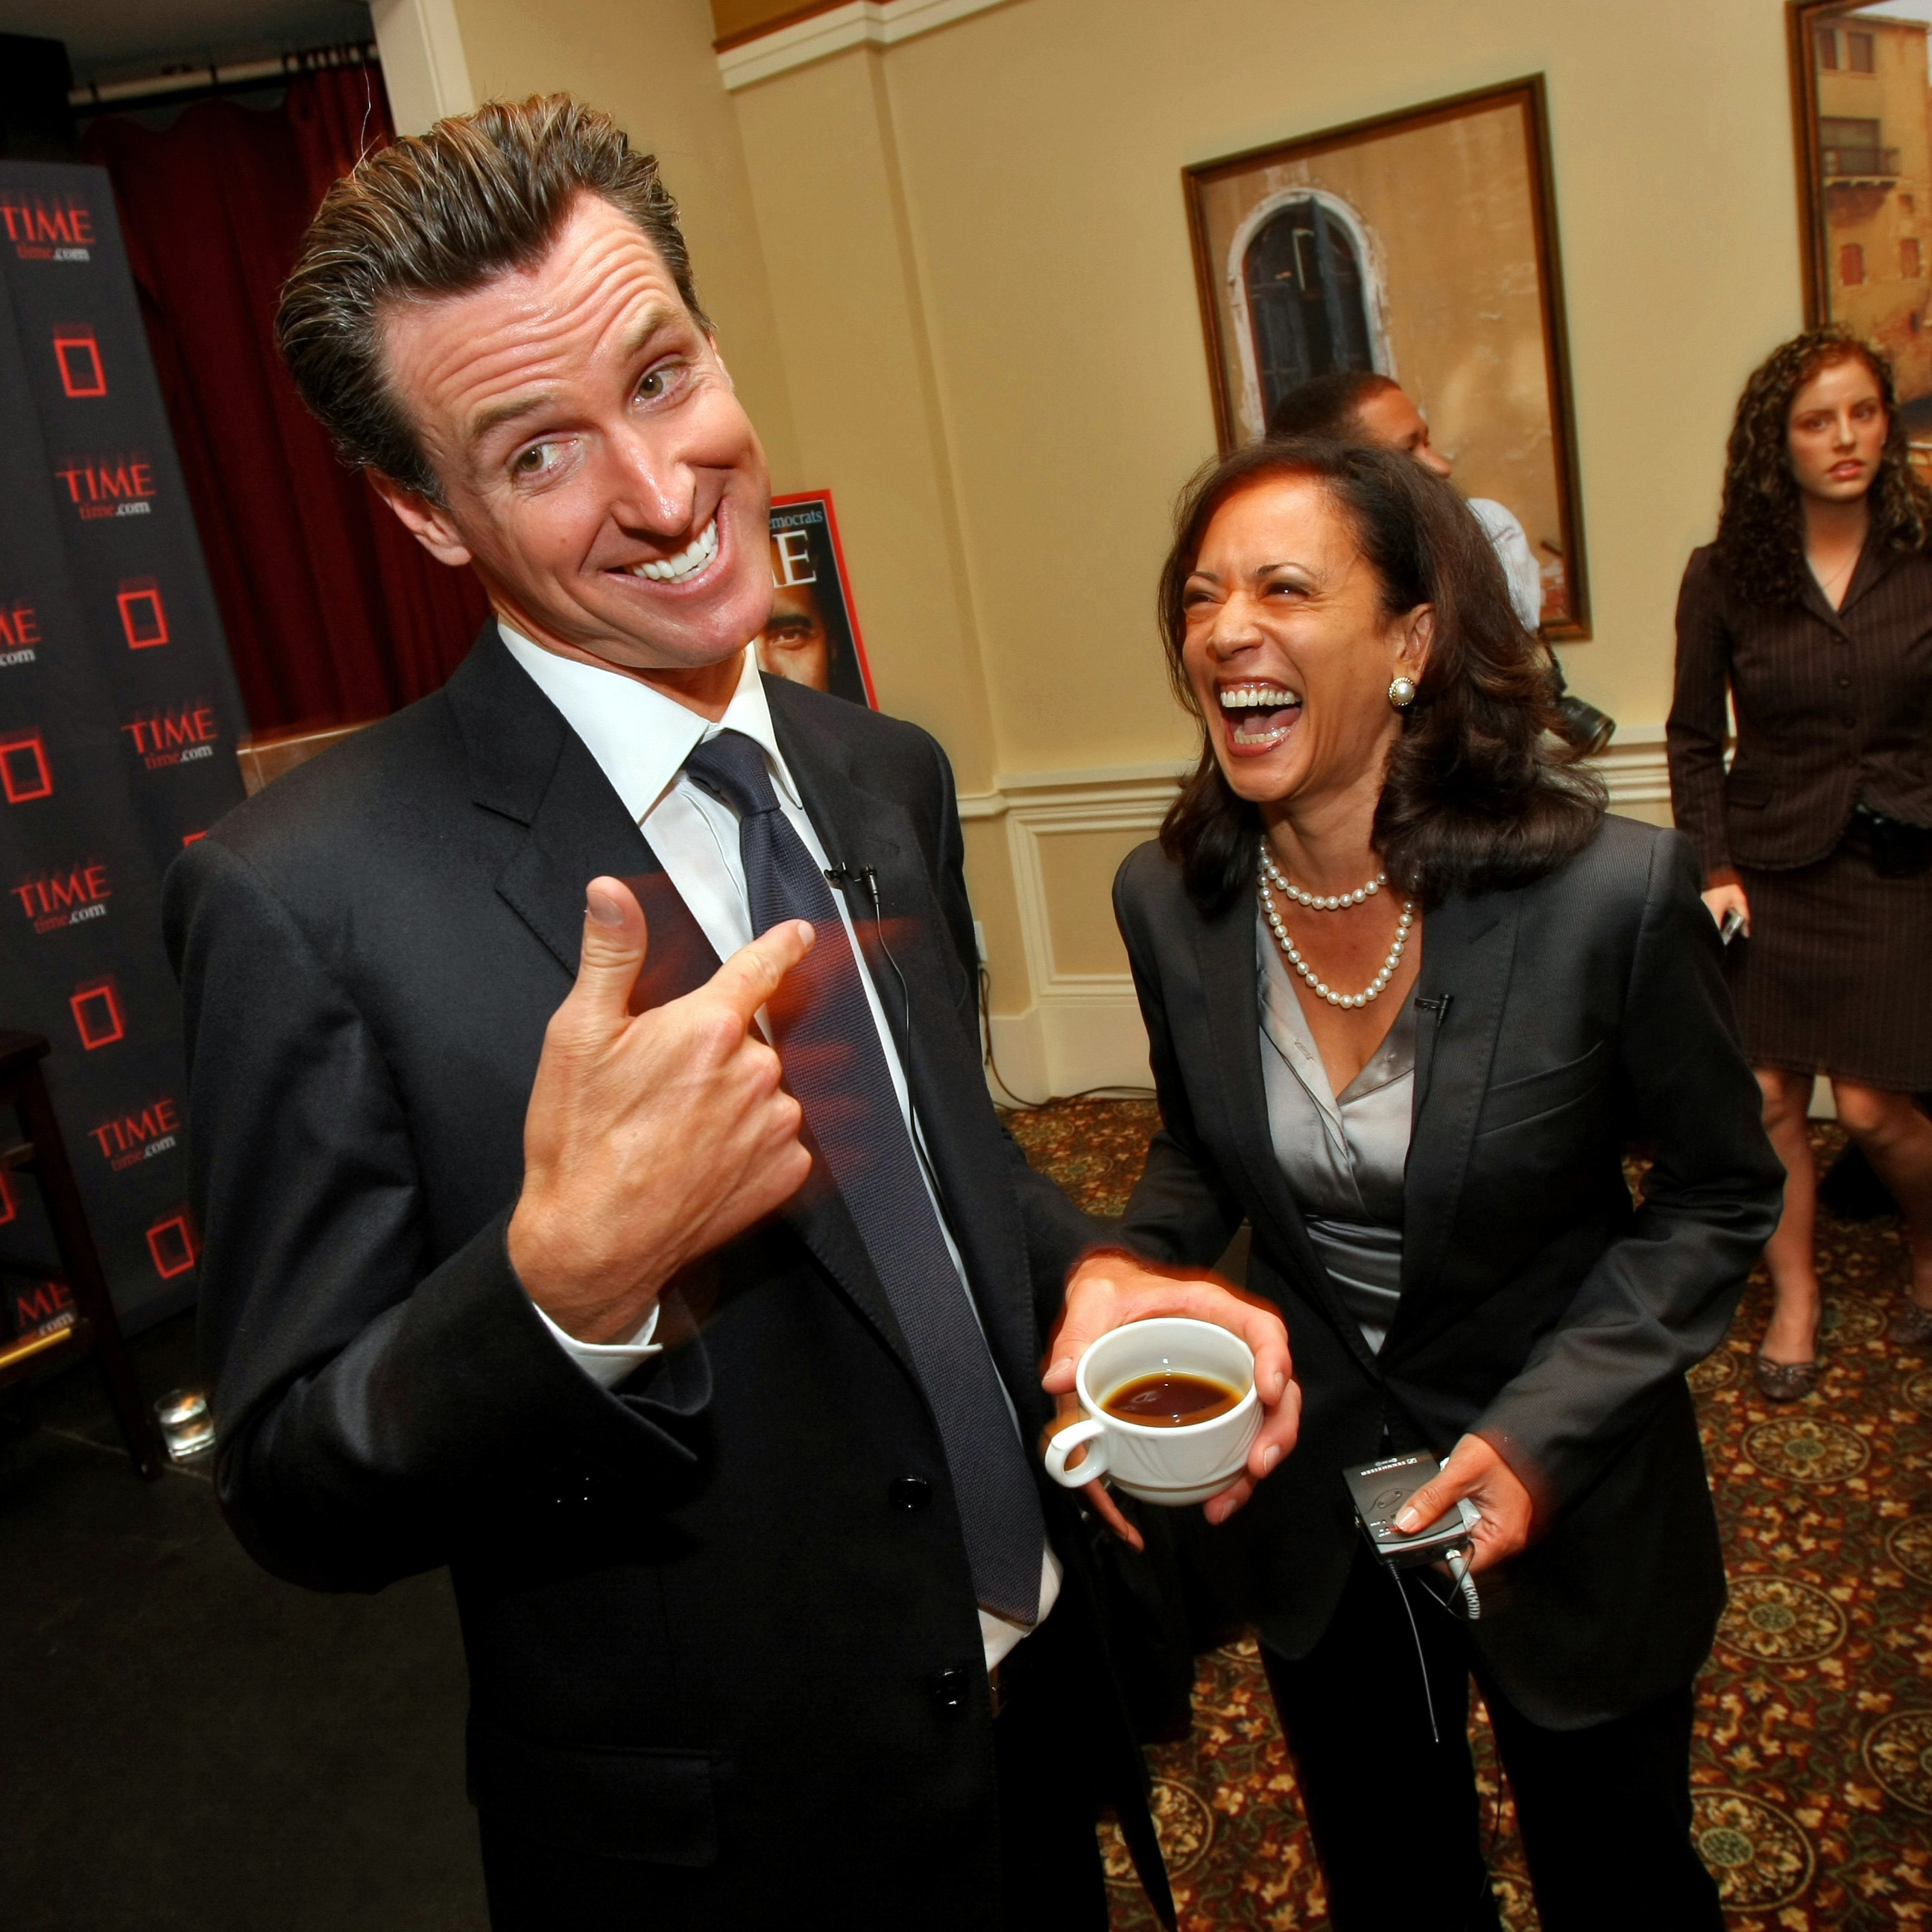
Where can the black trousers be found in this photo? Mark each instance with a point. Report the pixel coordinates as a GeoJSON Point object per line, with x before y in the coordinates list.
{"type": "Point", "coordinates": [1605, 1812]}
{"type": "Point", "coordinates": [1051, 1876]}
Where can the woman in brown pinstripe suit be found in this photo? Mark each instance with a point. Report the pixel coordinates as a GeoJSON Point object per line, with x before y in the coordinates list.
{"type": "Point", "coordinates": [1814, 610]}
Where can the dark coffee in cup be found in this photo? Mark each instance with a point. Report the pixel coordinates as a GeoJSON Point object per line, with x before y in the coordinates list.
{"type": "Point", "coordinates": [1170, 1400]}
{"type": "Point", "coordinates": [1168, 1412]}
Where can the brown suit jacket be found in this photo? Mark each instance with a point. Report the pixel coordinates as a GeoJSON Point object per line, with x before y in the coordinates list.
{"type": "Point", "coordinates": [1833, 706]}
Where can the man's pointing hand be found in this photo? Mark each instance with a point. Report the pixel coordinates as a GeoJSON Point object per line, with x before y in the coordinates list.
{"type": "Point", "coordinates": [651, 1137]}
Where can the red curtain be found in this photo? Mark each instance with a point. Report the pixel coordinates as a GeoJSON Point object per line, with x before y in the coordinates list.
{"type": "Point", "coordinates": [334, 613]}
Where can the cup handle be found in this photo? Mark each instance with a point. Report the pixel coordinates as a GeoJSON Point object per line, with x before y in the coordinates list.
{"type": "Point", "coordinates": [1094, 1435]}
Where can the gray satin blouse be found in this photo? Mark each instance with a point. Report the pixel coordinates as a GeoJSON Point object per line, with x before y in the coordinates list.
{"type": "Point", "coordinates": [1342, 1156]}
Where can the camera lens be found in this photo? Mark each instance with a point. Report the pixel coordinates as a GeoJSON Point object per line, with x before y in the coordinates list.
{"type": "Point", "coordinates": [1583, 725]}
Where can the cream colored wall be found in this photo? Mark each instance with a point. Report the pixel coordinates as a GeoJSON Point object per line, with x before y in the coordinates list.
{"type": "Point", "coordinates": [953, 274]}
{"type": "Point", "coordinates": [856, 330]}
{"type": "Point", "coordinates": [1042, 144]}
{"type": "Point", "coordinates": [649, 63]}
{"type": "Point", "coordinates": [1038, 149]}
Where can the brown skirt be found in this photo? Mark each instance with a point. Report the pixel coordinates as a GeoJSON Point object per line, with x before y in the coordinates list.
{"type": "Point", "coordinates": [1836, 977]}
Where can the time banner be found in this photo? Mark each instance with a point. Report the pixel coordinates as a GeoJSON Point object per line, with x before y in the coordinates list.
{"type": "Point", "coordinates": [119, 718]}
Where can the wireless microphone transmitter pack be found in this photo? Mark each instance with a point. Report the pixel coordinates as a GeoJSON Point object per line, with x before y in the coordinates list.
{"type": "Point", "coordinates": [1380, 1488]}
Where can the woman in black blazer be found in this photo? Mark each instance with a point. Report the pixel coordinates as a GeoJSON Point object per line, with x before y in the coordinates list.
{"type": "Point", "coordinates": [1385, 883]}
{"type": "Point", "coordinates": [1811, 614]}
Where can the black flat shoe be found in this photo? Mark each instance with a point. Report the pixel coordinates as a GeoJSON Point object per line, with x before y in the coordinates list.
{"type": "Point", "coordinates": [1784, 1381]}
{"type": "Point", "coordinates": [1912, 1329]}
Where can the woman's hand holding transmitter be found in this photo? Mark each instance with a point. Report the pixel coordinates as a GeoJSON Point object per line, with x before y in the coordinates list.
{"type": "Point", "coordinates": [1476, 1471]}
{"type": "Point", "coordinates": [1110, 1288]}
{"type": "Point", "coordinates": [652, 1138]}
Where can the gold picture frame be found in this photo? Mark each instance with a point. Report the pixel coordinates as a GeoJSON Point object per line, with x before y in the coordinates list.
{"type": "Point", "coordinates": [1862, 102]}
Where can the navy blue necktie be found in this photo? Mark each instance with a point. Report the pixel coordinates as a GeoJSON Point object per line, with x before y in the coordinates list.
{"type": "Point", "coordinates": [835, 1067]}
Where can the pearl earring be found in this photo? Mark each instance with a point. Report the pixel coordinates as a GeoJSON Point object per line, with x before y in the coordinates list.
{"type": "Point", "coordinates": [1402, 694]}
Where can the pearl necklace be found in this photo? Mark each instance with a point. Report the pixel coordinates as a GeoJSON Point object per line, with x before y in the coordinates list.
{"type": "Point", "coordinates": [1335, 902]}
{"type": "Point", "coordinates": [1374, 989]}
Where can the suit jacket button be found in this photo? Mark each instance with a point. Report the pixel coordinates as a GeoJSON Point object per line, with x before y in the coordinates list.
{"type": "Point", "coordinates": [949, 1687]}
{"type": "Point", "coordinates": [909, 1493]}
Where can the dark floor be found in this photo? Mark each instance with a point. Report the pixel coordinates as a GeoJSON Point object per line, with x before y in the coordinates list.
{"type": "Point", "coordinates": [1811, 1765]}
{"type": "Point", "coordinates": [185, 1742]}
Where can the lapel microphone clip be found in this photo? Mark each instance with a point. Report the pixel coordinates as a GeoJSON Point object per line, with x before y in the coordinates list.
{"type": "Point", "coordinates": [844, 877]}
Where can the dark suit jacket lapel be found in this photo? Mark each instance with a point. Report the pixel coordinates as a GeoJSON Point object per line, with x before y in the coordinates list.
{"type": "Point", "coordinates": [1875, 563]}
{"type": "Point", "coordinates": [528, 767]}
{"type": "Point", "coordinates": [970, 1161]}
{"type": "Point", "coordinates": [1225, 946]}
{"type": "Point", "coordinates": [1468, 947]}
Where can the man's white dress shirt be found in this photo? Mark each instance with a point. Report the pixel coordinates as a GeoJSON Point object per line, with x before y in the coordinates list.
{"type": "Point", "coordinates": [1511, 541]}
{"type": "Point", "coordinates": [640, 740]}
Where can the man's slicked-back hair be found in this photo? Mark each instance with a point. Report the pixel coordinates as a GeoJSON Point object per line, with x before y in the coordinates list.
{"type": "Point", "coordinates": [1327, 405]}
{"type": "Point", "coordinates": [439, 214]}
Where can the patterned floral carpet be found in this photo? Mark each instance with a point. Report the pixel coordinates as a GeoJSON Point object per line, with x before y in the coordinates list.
{"type": "Point", "coordinates": [1813, 1765]}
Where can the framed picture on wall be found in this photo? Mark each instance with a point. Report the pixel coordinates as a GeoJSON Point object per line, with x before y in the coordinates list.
{"type": "Point", "coordinates": [1862, 86]}
{"type": "Point", "coordinates": [813, 635]}
{"type": "Point", "coordinates": [1421, 245]}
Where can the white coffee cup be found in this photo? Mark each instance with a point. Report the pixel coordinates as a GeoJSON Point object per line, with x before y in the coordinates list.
{"type": "Point", "coordinates": [1185, 1463]}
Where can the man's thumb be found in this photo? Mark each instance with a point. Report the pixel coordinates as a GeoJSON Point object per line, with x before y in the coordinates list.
{"type": "Point", "coordinates": [614, 942]}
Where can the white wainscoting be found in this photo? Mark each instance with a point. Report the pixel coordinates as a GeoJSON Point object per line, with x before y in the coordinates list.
{"type": "Point", "coordinates": [1634, 768]}
{"type": "Point", "coordinates": [1080, 1031]}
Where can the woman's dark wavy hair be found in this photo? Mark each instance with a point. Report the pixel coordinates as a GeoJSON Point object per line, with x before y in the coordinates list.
{"type": "Point", "coordinates": [1479, 794]}
{"type": "Point", "coordinates": [1760, 543]}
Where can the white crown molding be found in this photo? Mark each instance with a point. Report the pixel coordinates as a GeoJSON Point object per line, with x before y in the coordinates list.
{"type": "Point", "coordinates": [863, 23]}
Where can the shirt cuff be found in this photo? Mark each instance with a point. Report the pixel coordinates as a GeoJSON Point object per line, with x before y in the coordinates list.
{"type": "Point", "coordinates": [607, 1364]}
{"type": "Point", "coordinates": [1001, 1638]}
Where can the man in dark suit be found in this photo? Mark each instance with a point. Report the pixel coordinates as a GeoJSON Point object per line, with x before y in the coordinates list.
{"type": "Point", "coordinates": [691, 1311]}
